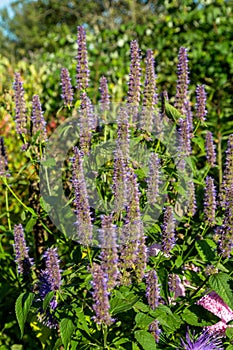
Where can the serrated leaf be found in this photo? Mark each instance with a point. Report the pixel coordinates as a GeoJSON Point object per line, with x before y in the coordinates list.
{"type": "Point", "coordinates": [142, 320]}
{"type": "Point", "coordinates": [220, 284]}
{"type": "Point", "coordinates": [66, 329]}
{"type": "Point", "coordinates": [146, 340]}
{"type": "Point", "coordinates": [122, 304]}
{"type": "Point", "coordinates": [194, 318]}
{"type": "Point", "coordinates": [166, 318]}
{"type": "Point", "coordinates": [22, 307]}
{"type": "Point", "coordinates": [173, 113]}
{"type": "Point", "coordinates": [204, 248]}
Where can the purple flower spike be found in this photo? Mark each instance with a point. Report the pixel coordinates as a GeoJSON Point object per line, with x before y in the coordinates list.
{"type": "Point", "coordinates": [176, 287]}
{"type": "Point", "coordinates": [82, 209]}
{"type": "Point", "coordinates": [153, 179]}
{"type": "Point", "coordinates": [210, 149]}
{"type": "Point", "coordinates": [226, 230]}
{"type": "Point", "coordinates": [21, 251]}
{"type": "Point", "coordinates": [82, 70]}
{"type": "Point", "coordinates": [123, 134]}
{"type": "Point", "coordinates": [52, 269]}
{"type": "Point", "coordinates": [3, 159]}
{"type": "Point", "coordinates": [150, 98]}
{"type": "Point", "coordinates": [86, 122]}
{"type": "Point", "coordinates": [152, 289]}
{"type": "Point", "coordinates": [38, 122]}
{"type": "Point", "coordinates": [201, 111]}
{"type": "Point", "coordinates": [192, 205]}
{"type": "Point", "coordinates": [133, 98]}
{"type": "Point", "coordinates": [204, 342]}
{"type": "Point", "coordinates": [67, 91]}
{"type": "Point", "coordinates": [210, 201]}
{"type": "Point", "coordinates": [20, 105]}
{"type": "Point", "coordinates": [168, 235]}
{"type": "Point", "coordinates": [183, 81]}
{"type": "Point", "coordinates": [119, 182]}
{"type": "Point", "coordinates": [155, 331]}
{"type": "Point", "coordinates": [100, 295]}
{"type": "Point", "coordinates": [109, 255]}
{"type": "Point", "coordinates": [105, 98]}
{"type": "Point", "coordinates": [226, 185]}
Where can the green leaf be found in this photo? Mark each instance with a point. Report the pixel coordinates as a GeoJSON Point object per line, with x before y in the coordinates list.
{"type": "Point", "coordinates": [166, 318]}
{"type": "Point", "coordinates": [142, 320]}
{"type": "Point", "coordinates": [173, 113]}
{"type": "Point", "coordinates": [146, 340]}
{"type": "Point", "coordinates": [194, 317]}
{"type": "Point", "coordinates": [22, 307]}
{"type": "Point", "coordinates": [205, 249]}
{"type": "Point", "coordinates": [47, 299]}
{"type": "Point", "coordinates": [121, 303]}
{"type": "Point", "coordinates": [30, 224]}
{"type": "Point", "coordinates": [220, 284]}
{"type": "Point", "coordinates": [66, 329]}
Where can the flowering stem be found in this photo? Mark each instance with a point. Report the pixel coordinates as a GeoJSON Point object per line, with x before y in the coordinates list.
{"type": "Point", "coordinates": [7, 209]}
{"type": "Point", "coordinates": [220, 158]}
{"type": "Point", "coordinates": [105, 334]}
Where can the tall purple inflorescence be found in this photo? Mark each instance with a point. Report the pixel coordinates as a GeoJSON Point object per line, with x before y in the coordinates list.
{"type": "Point", "coordinates": [150, 98]}
{"type": "Point", "coordinates": [210, 201]}
{"type": "Point", "coordinates": [119, 182]}
{"type": "Point", "coordinates": [104, 95]}
{"type": "Point", "coordinates": [109, 255]}
{"type": "Point", "coordinates": [82, 76]}
{"type": "Point", "coordinates": [204, 342]}
{"type": "Point", "coordinates": [168, 234]}
{"type": "Point", "coordinates": [192, 205]}
{"type": "Point", "coordinates": [176, 287]}
{"type": "Point", "coordinates": [20, 105]}
{"type": "Point", "coordinates": [38, 122]}
{"type": "Point", "coordinates": [226, 230]}
{"type": "Point", "coordinates": [86, 122]}
{"type": "Point", "coordinates": [3, 159]}
{"type": "Point", "coordinates": [53, 269]}
{"type": "Point", "coordinates": [21, 251]}
{"type": "Point", "coordinates": [153, 296]}
{"type": "Point", "coordinates": [210, 149]}
{"type": "Point", "coordinates": [153, 180]}
{"type": "Point", "coordinates": [183, 81]}
{"type": "Point", "coordinates": [133, 97]}
{"type": "Point", "coordinates": [100, 295]}
{"type": "Point", "coordinates": [123, 139]}
{"type": "Point", "coordinates": [201, 111]}
{"type": "Point", "coordinates": [67, 90]}
{"type": "Point", "coordinates": [228, 174]}
{"type": "Point", "coordinates": [82, 210]}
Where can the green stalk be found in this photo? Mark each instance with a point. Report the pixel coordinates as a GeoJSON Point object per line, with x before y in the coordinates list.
{"type": "Point", "coordinates": [7, 209]}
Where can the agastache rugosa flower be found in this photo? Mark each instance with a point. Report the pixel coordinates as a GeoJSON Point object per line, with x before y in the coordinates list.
{"type": "Point", "coordinates": [192, 206]}
{"type": "Point", "coordinates": [82, 76]}
{"type": "Point", "coordinates": [123, 139]}
{"type": "Point", "coordinates": [86, 122]}
{"type": "Point", "coordinates": [119, 182]}
{"type": "Point", "coordinates": [210, 201]}
{"type": "Point", "coordinates": [214, 303]}
{"type": "Point", "coordinates": [150, 99]}
{"type": "Point", "coordinates": [21, 251]}
{"type": "Point", "coordinates": [109, 255]}
{"type": "Point", "coordinates": [133, 97]}
{"type": "Point", "coordinates": [226, 230]}
{"type": "Point", "coordinates": [201, 111]}
{"type": "Point", "coordinates": [183, 81]}
{"type": "Point", "coordinates": [204, 342]}
{"type": "Point", "coordinates": [168, 234]}
{"type": "Point", "coordinates": [154, 330]}
{"type": "Point", "coordinates": [100, 296]}
{"type": "Point", "coordinates": [20, 105]}
{"type": "Point", "coordinates": [176, 286]}
{"type": "Point", "coordinates": [153, 180]}
{"type": "Point", "coordinates": [38, 122]}
{"type": "Point", "coordinates": [210, 149]}
{"type": "Point", "coordinates": [104, 95]}
{"type": "Point", "coordinates": [67, 90]}
{"type": "Point", "coordinates": [184, 138]}
{"type": "Point", "coordinates": [3, 159]}
{"type": "Point", "coordinates": [228, 174]}
{"type": "Point", "coordinates": [152, 289]}
{"type": "Point", "coordinates": [82, 210]}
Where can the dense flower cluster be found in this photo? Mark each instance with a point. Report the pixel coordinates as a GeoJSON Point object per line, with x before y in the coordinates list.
{"type": "Point", "coordinates": [210, 149]}
{"type": "Point", "coordinates": [38, 122]}
{"type": "Point", "coordinates": [21, 251]}
{"type": "Point", "coordinates": [82, 76]}
{"type": "Point", "coordinates": [153, 180]}
{"type": "Point", "coordinates": [3, 159]}
{"type": "Point", "coordinates": [210, 201]}
{"type": "Point", "coordinates": [201, 111]}
{"type": "Point", "coordinates": [20, 105]}
{"type": "Point", "coordinates": [104, 95]}
{"type": "Point", "coordinates": [67, 90]}
{"type": "Point", "coordinates": [183, 81]}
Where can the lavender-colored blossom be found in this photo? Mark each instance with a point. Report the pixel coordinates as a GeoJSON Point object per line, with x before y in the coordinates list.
{"type": "Point", "coordinates": [152, 289]}
{"type": "Point", "coordinates": [210, 201]}
{"type": "Point", "coordinates": [168, 234]}
{"type": "Point", "coordinates": [82, 76]}
{"type": "Point", "coordinates": [189, 116]}
{"type": "Point", "coordinates": [183, 81]}
{"type": "Point", "coordinates": [192, 205]}
{"type": "Point", "coordinates": [82, 209]}
{"type": "Point", "coordinates": [52, 268]}
{"type": "Point", "coordinates": [176, 286]}
{"type": "Point", "coordinates": [153, 180]}
{"type": "Point", "coordinates": [67, 90]}
{"type": "Point", "coordinates": [38, 122]}
{"type": "Point", "coordinates": [150, 98]}
{"type": "Point", "coordinates": [119, 182]}
{"type": "Point", "coordinates": [155, 330]}
{"type": "Point", "coordinates": [20, 105]}
{"type": "Point", "coordinates": [109, 255]}
{"type": "Point", "coordinates": [204, 342]}
{"type": "Point", "coordinates": [133, 97]}
{"type": "Point", "coordinates": [21, 251]}
{"type": "Point", "coordinates": [104, 95]}
{"type": "Point", "coordinates": [226, 230]}
{"type": "Point", "coordinates": [210, 149]}
{"type": "Point", "coordinates": [201, 111]}
{"type": "Point", "coordinates": [228, 174]}
{"type": "Point", "coordinates": [100, 296]}
{"type": "Point", "coordinates": [184, 138]}
{"type": "Point", "coordinates": [86, 122]}
{"type": "Point", "coordinates": [123, 133]}
{"type": "Point", "coordinates": [3, 159]}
